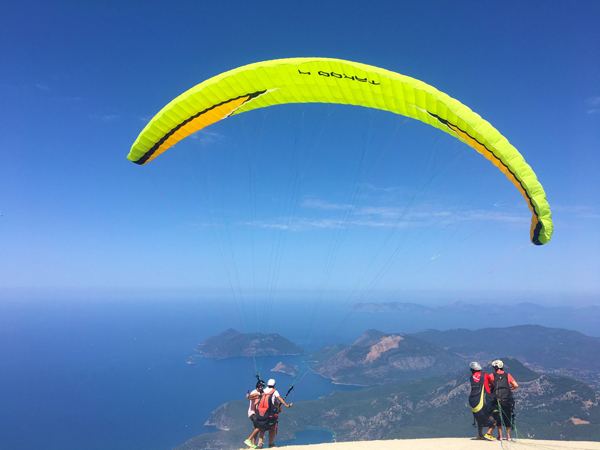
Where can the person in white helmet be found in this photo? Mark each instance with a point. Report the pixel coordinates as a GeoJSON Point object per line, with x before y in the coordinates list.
{"type": "Point", "coordinates": [274, 397]}
{"type": "Point", "coordinates": [503, 385]}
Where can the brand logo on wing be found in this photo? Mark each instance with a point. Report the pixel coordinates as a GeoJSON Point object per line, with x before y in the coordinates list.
{"type": "Point", "coordinates": [323, 73]}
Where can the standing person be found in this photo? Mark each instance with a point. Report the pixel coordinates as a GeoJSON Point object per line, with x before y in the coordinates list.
{"type": "Point", "coordinates": [271, 395]}
{"type": "Point", "coordinates": [504, 384]}
{"type": "Point", "coordinates": [480, 401]}
{"type": "Point", "coordinates": [253, 397]}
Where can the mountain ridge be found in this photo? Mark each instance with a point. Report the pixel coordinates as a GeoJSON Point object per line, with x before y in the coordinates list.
{"type": "Point", "coordinates": [231, 343]}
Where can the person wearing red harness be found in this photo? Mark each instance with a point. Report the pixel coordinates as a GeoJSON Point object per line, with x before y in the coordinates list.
{"type": "Point", "coordinates": [480, 401]}
{"type": "Point", "coordinates": [274, 397]}
{"type": "Point", "coordinates": [503, 384]}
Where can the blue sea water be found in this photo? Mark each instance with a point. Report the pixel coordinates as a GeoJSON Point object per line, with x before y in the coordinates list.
{"type": "Point", "coordinates": [310, 436]}
{"type": "Point", "coordinates": [112, 375]}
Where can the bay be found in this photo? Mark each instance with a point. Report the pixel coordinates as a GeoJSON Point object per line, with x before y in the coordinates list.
{"type": "Point", "coordinates": [109, 375]}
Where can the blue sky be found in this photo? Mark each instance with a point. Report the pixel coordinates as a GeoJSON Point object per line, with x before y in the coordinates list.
{"type": "Point", "coordinates": [217, 215]}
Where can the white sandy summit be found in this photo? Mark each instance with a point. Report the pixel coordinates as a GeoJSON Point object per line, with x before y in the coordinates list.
{"type": "Point", "coordinates": [452, 444]}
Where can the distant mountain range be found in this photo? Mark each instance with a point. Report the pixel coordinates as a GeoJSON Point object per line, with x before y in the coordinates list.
{"type": "Point", "coordinates": [548, 407]}
{"type": "Point", "coordinates": [232, 343]}
{"type": "Point", "coordinates": [377, 358]}
{"type": "Point", "coordinates": [487, 309]}
{"type": "Point", "coordinates": [547, 350]}
{"type": "Point", "coordinates": [482, 314]}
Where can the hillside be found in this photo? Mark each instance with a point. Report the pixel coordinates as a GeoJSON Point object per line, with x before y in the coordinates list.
{"type": "Point", "coordinates": [548, 350]}
{"type": "Point", "coordinates": [376, 358]}
{"type": "Point", "coordinates": [548, 407]}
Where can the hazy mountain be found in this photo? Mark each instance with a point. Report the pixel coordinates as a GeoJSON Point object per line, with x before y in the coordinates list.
{"type": "Point", "coordinates": [547, 407]}
{"type": "Point", "coordinates": [391, 307]}
{"type": "Point", "coordinates": [547, 350]}
{"type": "Point", "coordinates": [232, 343]}
{"type": "Point", "coordinates": [378, 358]}
{"type": "Point", "coordinates": [583, 319]}
{"type": "Point", "coordinates": [526, 308]}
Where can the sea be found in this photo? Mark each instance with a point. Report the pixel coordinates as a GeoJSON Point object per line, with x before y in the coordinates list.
{"type": "Point", "coordinates": [112, 375]}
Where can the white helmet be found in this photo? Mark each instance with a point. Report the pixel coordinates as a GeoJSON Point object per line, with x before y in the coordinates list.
{"type": "Point", "coordinates": [271, 383]}
{"type": "Point", "coordinates": [498, 363]}
{"type": "Point", "coordinates": [475, 365]}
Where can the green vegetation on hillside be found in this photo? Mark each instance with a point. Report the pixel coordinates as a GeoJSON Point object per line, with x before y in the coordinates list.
{"type": "Point", "coordinates": [376, 358]}
{"type": "Point", "coordinates": [545, 408]}
{"type": "Point", "coordinates": [232, 343]}
{"type": "Point", "coordinates": [552, 351]}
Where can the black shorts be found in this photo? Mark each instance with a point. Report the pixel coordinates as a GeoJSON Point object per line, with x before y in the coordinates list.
{"type": "Point", "coordinates": [506, 413]}
{"type": "Point", "coordinates": [253, 420]}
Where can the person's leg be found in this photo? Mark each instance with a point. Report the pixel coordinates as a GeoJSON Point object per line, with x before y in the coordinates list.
{"type": "Point", "coordinates": [506, 414]}
{"type": "Point", "coordinates": [261, 435]}
{"type": "Point", "coordinates": [494, 422]}
{"type": "Point", "coordinates": [272, 433]}
{"type": "Point", "coordinates": [510, 414]}
{"type": "Point", "coordinates": [250, 441]}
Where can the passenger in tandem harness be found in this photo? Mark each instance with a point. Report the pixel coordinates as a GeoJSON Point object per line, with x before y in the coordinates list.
{"type": "Point", "coordinates": [253, 397]}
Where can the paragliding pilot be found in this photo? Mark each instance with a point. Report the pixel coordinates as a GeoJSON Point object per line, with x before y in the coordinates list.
{"type": "Point", "coordinates": [503, 384]}
{"type": "Point", "coordinates": [481, 401]}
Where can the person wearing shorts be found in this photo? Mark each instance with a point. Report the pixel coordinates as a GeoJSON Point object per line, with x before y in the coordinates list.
{"type": "Point", "coordinates": [253, 397]}
{"type": "Point", "coordinates": [504, 408]}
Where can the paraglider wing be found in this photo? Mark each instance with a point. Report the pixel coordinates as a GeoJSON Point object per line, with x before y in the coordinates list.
{"type": "Point", "coordinates": [324, 80]}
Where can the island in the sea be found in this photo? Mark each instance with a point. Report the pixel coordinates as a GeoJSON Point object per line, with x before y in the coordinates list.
{"type": "Point", "coordinates": [232, 343]}
{"type": "Point", "coordinates": [286, 368]}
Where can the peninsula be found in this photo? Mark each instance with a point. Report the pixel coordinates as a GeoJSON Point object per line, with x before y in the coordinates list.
{"type": "Point", "coordinates": [286, 368]}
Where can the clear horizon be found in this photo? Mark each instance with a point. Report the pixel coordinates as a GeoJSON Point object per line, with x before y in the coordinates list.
{"type": "Point", "coordinates": [426, 298]}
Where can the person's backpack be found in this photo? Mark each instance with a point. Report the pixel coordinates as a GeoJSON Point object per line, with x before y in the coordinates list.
{"type": "Point", "coordinates": [502, 387]}
{"type": "Point", "coordinates": [479, 399]}
{"type": "Point", "coordinates": [265, 411]}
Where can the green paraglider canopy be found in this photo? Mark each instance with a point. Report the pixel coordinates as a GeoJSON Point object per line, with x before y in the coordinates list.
{"type": "Point", "coordinates": [324, 80]}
